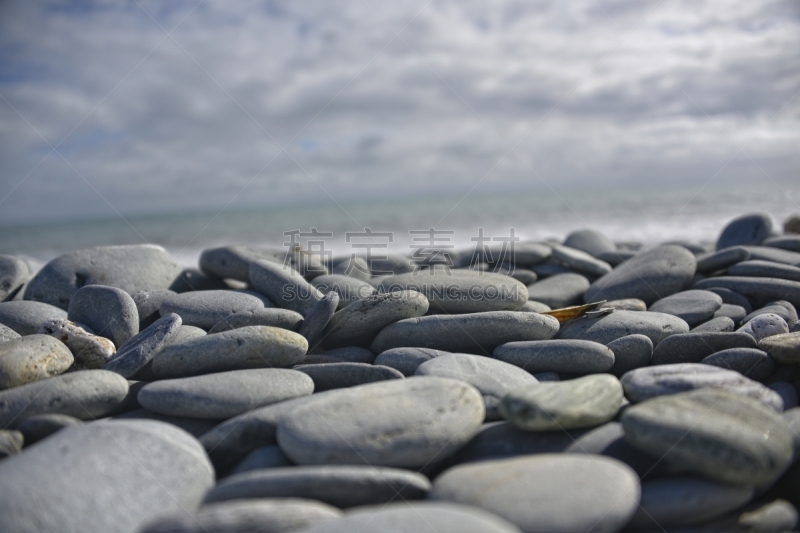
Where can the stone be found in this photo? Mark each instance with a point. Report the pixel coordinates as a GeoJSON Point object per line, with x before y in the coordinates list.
{"type": "Point", "coordinates": [561, 290]}
{"type": "Point", "coordinates": [501, 440]}
{"type": "Point", "coordinates": [265, 457]}
{"type": "Point", "coordinates": [784, 242]}
{"type": "Point", "coordinates": [561, 356]}
{"type": "Point", "coordinates": [590, 241]}
{"type": "Point", "coordinates": [26, 317]}
{"type": "Point", "coordinates": [772, 517]}
{"type": "Point", "coordinates": [630, 351]}
{"type": "Point", "coordinates": [764, 269]}
{"type": "Point", "coordinates": [276, 515]}
{"type": "Point", "coordinates": [225, 394]}
{"type": "Point", "coordinates": [284, 286]}
{"type": "Point", "coordinates": [792, 224]}
{"type": "Point", "coordinates": [616, 257]}
{"type": "Point", "coordinates": [750, 229]}
{"type": "Point", "coordinates": [733, 298]}
{"type": "Point", "coordinates": [402, 423]}
{"type": "Point", "coordinates": [359, 323]}
{"type": "Point", "coordinates": [11, 442]}
{"type": "Point", "coordinates": [108, 311]}
{"type": "Point", "coordinates": [784, 347]}
{"type": "Point", "coordinates": [750, 362]}
{"type": "Point", "coordinates": [38, 427]}
{"type": "Point", "coordinates": [683, 501]}
{"type": "Point", "coordinates": [494, 379]}
{"type": "Point", "coordinates": [786, 391]}
{"type": "Point", "coordinates": [649, 276]}
{"type": "Point", "coordinates": [774, 255]}
{"type": "Point", "coordinates": [764, 326]}
{"type": "Point", "coordinates": [407, 360]}
{"type": "Point", "coordinates": [351, 266]}
{"type": "Point", "coordinates": [338, 485]}
{"type": "Point", "coordinates": [186, 333]}
{"type": "Point", "coordinates": [606, 328]}
{"type": "Point", "coordinates": [580, 261]}
{"type": "Point", "coordinates": [390, 264]}
{"type": "Point", "coordinates": [720, 435]}
{"type": "Point", "coordinates": [348, 354]}
{"type": "Point", "coordinates": [140, 349]}
{"type": "Point", "coordinates": [573, 404]}
{"type": "Point", "coordinates": [411, 517]}
{"type": "Point", "coordinates": [663, 380]}
{"type": "Point", "coordinates": [13, 275]}
{"type": "Point", "coordinates": [131, 268]}
{"type": "Point", "coordinates": [551, 268]}
{"type": "Point", "coordinates": [331, 376]}
{"type": "Point", "coordinates": [105, 477]}
{"type": "Point", "coordinates": [535, 307]}
{"type": "Point", "coordinates": [694, 306]}
{"type": "Point", "coordinates": [191, 279]}
{"type": "Point", "coordinates": [627, 304]}
{"type": "Point", "coordinates": [236, 349]}
{"type": "Point", "coordinates": [783, 309]}
{"type": "Point", "coordinates": [527, 254]}
{"type": "Point", "coordinates": [32, 358]}
{"type": "Point", "coordinates": [469, 333]}
{"type": "Point", "coordinates": [318, 317]}
{"type": "Point", "coordinates": [193, 426]}
{"type": "Point", "coordinates": [735, 313]}
{"type": "Point", "coordinates": [89, 351]}
{"type": "Point", "coordinates": [547, 376]}
{"type": "Point", "coordinates": [203, 309]}
{"type": "Point", "coordinates": [560, 492]}
{"type": "Point", "coordinates": [275, 317]}
{"type": "Point", "coordinates": [7, 334]}
{"type": "Point", "coordinates": [349, 289]}
{"type": "Point", "coordinates": [460, 290]}
{"type": "Point", "coordinates": [711, 262]}
{"type": "Point", "coordinates": [694, 346]}
{"type": "Point", "coordinates": [147, 304]}
{"type": "Point", "coordinates": [233, 262]}
{"type": "Point", "coordinates": [759, 291]}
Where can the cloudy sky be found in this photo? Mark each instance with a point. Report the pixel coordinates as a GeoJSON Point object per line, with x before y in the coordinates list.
{"type": "Point", "coordinates": [133, 107]}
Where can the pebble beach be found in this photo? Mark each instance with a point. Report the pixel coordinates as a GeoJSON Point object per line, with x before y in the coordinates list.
{"type": "Point", "coordinates": [574, 384]}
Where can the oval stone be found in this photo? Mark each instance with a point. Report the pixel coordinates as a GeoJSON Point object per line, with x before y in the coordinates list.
{"type": "Point", "coordinates": [561, 356]}
{"type": "Point", "coordinates": [694, 346]}
{"type": "Point", "coordinates": [274, 316]}
{"type": "Point", "coordinates": [606, 328]}
{"type": "Point", "coordinates": [694, 307]}
{"type": "Point", "coordinates": [341, 375]}
{"type": "Point", "coordinates": [265, 457]}
{"type": "Point", "coordinates": [147, 304]}
{"type": "Point", "coordinates": [348, 288]}
{"type": "Point", "coordinates": [784, 348]}
{"type": "Point", "coordinates": [203, 309]}
{"type": "Point", "coordinates": [140, 349]}
{"type": "Point", "coordinates": [26, 317]}
{"type": "Point", "coordinates": [750, 229]}
{"type": "Point", "coordinates": [759, 291]}
{"type": "Point", "coordinates": [750, 362]}
{"type": "Point", "coordinates": [32, 358]}
{"type": "Point", "coordinates": [108, 311]}
{"type": "Point", "coordinates": [590, 241]}
{"type": "Point", "coordinates": [407, 360]}
{"type": "Point", "coordinates": [284, 286]}
{"type": "Point", "coordinates": [89, 351]}
{"type": "Point", "coordinates": [630, 351]}
{"type": "Point", "coordinates": [561, 290]}
{"type": "Point", "coordinates": [580, 261]}
{"type": "Point", "coordinates": [233, 262]}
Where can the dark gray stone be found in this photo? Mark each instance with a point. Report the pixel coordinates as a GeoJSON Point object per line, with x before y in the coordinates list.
{"type": "Point", "coordinates": [191, 279]}
{"type": "Point", "coordinates": [13, 275]}
{"type": "Point", "coordinates": [606, 328]}
{"type": "Point", "coordinates": [783, 309]}
{"type": "Point", "coordinates": [38, 427]}
{"type": "Point", "coordinates": [784, 242]}
{"type": "Point", "coordinates": [349, 289]}
{"type": "Point", "coordinates": [470, 333]}
{"type": "Point", "coordinates": [648, 276]}
{"type": "Point", "coordinates": [26, 317]}
{"type": "Point", "coordinates": [338, 485]}
{"type": "Point", "coordinates": [284, 286]}
{"type": "Point", "coordinates": [784, 348]}
{"type": "Point", "coordinates": [348, 354]}
{"type": "Point", "coordinates": [407, 360]}
{"type": "Point", "coordinates": [203, 309]}
{"type": "Point", "coordinates": [500, 440]}
{"type": "Point", "coordinates": [550, 268]}
{"type": "Point", "coordinates": [616, 257]}
{"type": "Point", "coordinates": [11, 442]}
{"type": "Point", "coordinates": [275, 317]}
{"type": "Point", "coordinates": [714, 261]}
{"type": "Point", "coordinates": [341, 375]}
{"type": "Point", "coordinates": [735, 313]}
{"type": "Point", "coordinates": [580, 261]}
{"type": "Point", "coordinates": [774, 255]}
{"type": "Point", "coordinates": [194, 426]}
{"type": "Point", "coordinates": [233, 262]}
{"type": "Point", "coordinates": [787, 393]}
{"type": "Point", "coordinates": [132, 268]}
{"type": "Point", "coordinates": [694, 346]}
{"type": "Point", "coordinates": [590, 241]}
{"type": "Point", "coordinates": [750, 229]}
{"type": "Point", "coordinates": [108, 311]}
{"type": "Point", "coordinates": [147, 304]}
{"type": "Point", "coordinates": [750, 362]}
{"type": "Point", "coordinates": [733, 298]}
{"type": "Point", "coordinates": [105, 477]}
{"type": "Point", "coordinates": [547, 376]}
{"type": "Point", "coordinates": [630, 351]}
{"type": "Point", "coordinates": [759, 291]}
{"type": "Point", "coordinates": [351, 266]}
{"type": "Point", "coordinates": [694, 307]}
{"type": "Point", "coordinates": [528, 254]}
{"type": "Point", "coordinates": [318, 317]}
{"type": "Point", "coordinates": [764, 269]}
{"type": "Point", "coordinates": [561, 356]}
{"type": "Point", "coordinates": [140, 349]}
{"type": "Point", "coordinates": [560, 290]}
{"type": "Point", "coordinates": [265, 457]}
{"type": "Point", "coordinates": [32, 358]}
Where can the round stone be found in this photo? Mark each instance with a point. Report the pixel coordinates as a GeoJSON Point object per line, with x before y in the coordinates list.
{"type": "Point", "coordinates": [89, 351]}
{"type": "Point", "coordinates": [108, 311]}
{"type": "Point", "coordinates": [140, 349]}
{"type": "Point", "coordinates": [745, 230]}
{"type": "Point", "coordinates": [32, 358]}
{"type": "Point", "coordinates": [406, 360]}
{"type": "Point", "coordinates": [284, 286]}
{"type": "Point", "coordinates": [561, 290]}
{"type": "Point", "coordinates": [203, 309]}
{"type": "Point", "coordinates": [750, 362]}
{"type": "Point", "coordinates": [26, 317]}
{"type": "Point", "coordinates": [561, 356]}
{"type": "Point", "coordinates": [341, 375]}
{"type": "Point", "coordinates": [577, 403]}
{"type": "Point", "coordinates": [784, 347]}
{"type": "Point", "coordinates": [606, 328]}
{"type": "Point", "coordinates": [275, 317]}
{"type": "Point", "coordinates": [630, 351]}
{"type": "Point", "coordinates": [694, 307]}
{"type": "Point", "coordinates": [13, 275]}
{"type": "Point", "coordinates": [349, 289]}
{"type": "Point", "coordinates": [402, 423]}
{"type": "Point", "coordinates": [590, 241]}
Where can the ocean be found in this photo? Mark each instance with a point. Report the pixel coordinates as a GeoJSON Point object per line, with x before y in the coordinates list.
{"type": "Point", "coordinates": [647, 215]}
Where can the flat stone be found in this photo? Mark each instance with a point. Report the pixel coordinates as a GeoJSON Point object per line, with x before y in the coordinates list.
{"type": "Point", "coordinates": [551, 268]}
{"type": "Point", "coordinates": [11, 442]}
{"type": "Point", "coordinates": [573, 404]}
{"type": "Point", "coordinates": [685, 501]}
{"type": "Point", "coordinates": [694, 346]}
{"type": "Point", "coordinates": [246, 516]}
{"type": "Point", "coordinates": [108, 311]}
{"type": "Point", "coordinates": [783, 309]}
{"type": "Point", "coordinates": [764, 269]}
{"type": "Point", "coordinates": [784, 242]}
{"type": "Point", "coordinates": [140, 349]}
{"type": "Point", "coordinates": [132, 268]}
{"type": "Point", "coordinates": [193, 426]}
{"type": "Point", "coordinates": [203, 309]}
{"type": "Point", "coordinates": [224, 394]}
{"type": "Point", "coordinates": [13, 275]}
{"type": "Point", "coordinates": [265, 457]}
{"type": "Point", "coordinates": [750, 229]}
{"type": "Point", "coordinates": [494, 379]}
{"type": "Point", "coordinates": [7, 334]}
{"type": "Point", "coordinates": [318, 317]}
{"type": "Point", "coordinates": [662, 380]}
{"type": "Point", "coordinates": [750, 362]}
{"type": "Point", "coordinates": [284, 286]}
{"type": "Point", "coordinates": [786, 391]}
{"type": "Point", "coordinates": [402, 423]}
{"type": "Point", "coordinates": [547, 376]}
{"type": "Point", "coordinates": [359, 323]}
{"type": "Point", "coordinates": [764, 326]}
{"type": "Point", "coordinates": [32, 358]}
{"type": "Point", "coordinates": [237, 349]}
{"type": "Point", "coordinates": [649, 276]}
{"type": "Point", "coordinates": [338, 485]}
{"type": "Point", "coordinates": [349, 289]}
{"type": "Point", "coordinates": [694, 307]}
{"type": "Point", "coordinates": [348, 354]}
{"type": "Point", "coordinates": [580, 261]}
{"type": "Point", "coordinates": [606, 328]}
{"type": "Point", "coordinates": [759, 291]}
{"type": "Point", "coordinates": [461, 290]}
{"type": "Point", "coordinates": [390, 264]}
{"type": "Point", "coordinates": [630, 351]}
{"type": "Point", "coordinates": [412, 517]}
{"type": "Point", "coordinates": [351, 266]}
{"type": "Point", "coordinates": [735, 313]}
{"type": "Point", "coordinates": [590, 241]}
{"type": "Point", "coordinates": [733, 298]}
{"type": "Point", "coordinates": [105, 477]}
{"type": "Point", "coordinates": [616, 257]}
{"type": "Point", "coordinates": [275, 317]}
{"type": "Point", "coordinates": [528, 254]}
{"type": "Point", "coordinates": [721, 259]}
{"type": "Point", "coordinates": [773, 517]}
{"type": "Point", "coordinates": [561, 356]}
{"type": "Point", "coordinates": [535, 307]}
{"type": "Point", "coordinates": [341, 375]}
{"type": "Point", "coordinates": [723, 436]}
{"type": "Point", "coordinates": [469, 333]}
{"type": "Point", "coordinates": [89, 351]}
{"type": "Point", "coordinates": [37, 427]}
{"type": "Point", "coordinates": [233, 262]}
{"type": "Point", "coordinates": [561, 290]}
{"type": "Point", "coordinates": [774, 255]}
{"type": "Point", "coordinates": [147, 304]}
{"type": "Point", "coordinates": [186, 333]}
{"type": "Point", "coordinates": [407, 360]}
{"type": "Point", "coordinates": [26, 317]}
{"type": "Point", "coordinates": [559, 492]}
{"type": "Point", "coordinates": [784, 348]}
{"type": "Point", "coordinates": [502, 440]}
{"type": "Point", "coordinates": [627, 304]}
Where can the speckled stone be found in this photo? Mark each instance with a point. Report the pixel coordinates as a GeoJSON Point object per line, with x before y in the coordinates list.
{"type": "Point", "coordinates": [693, 347]}
{"type": "Point", "coordinates": [26, 317]}
{"type": "Point", "coordinates": [32, 358]}
{"type": "Point", "coordinates": [13, 275]}
{"type": "Point", "coordinates": [140, 349]}
{"type": "Point", "coordinates": [606, 328]}
{"type": "Point", "coordinates": [764, 326]}
{"type": "Point", "coordinates": [275, 317]}
{"type": "Point", "coordinates": [7, 334]}
{"type": "Point", "coordinates": [630, 351]}
{"type": "Point", "coordinates": [203, 309]}
{"type": "Point", "coordinates": [784, 348]}
{"type": "Point", "coordinates": [108, 311]}
{"type": "Point", "coordinates": [89, 351]}
{"type": "Point", "coordinates": [782, 308]}
{"type": "Point", "coordinates": [407, 360]}
{"type": "Point", "coordinates": [750, 362]}
{"type": "Point", "coordinates": [284, 286]}
{"type": "Point", "coordinates": [561, 290]}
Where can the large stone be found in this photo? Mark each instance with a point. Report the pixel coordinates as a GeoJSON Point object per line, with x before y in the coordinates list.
{"type": "Point", "coordinates": [580, 261]}
{"type": "Point", "coordinates": [275, 317]}
{"type": "Point", "coordinates": [562, 356]}
{"type": "Point", "coordinates": [341, 375]}
{"type": "Point", "coordinates": [140, 349]}
{"type": "Point", "coordinates": [590, 241]}
{"type": "Point", "coordinates": [478, 333]}
{"type": "Point", "coordinates": [203, 309]}
{"type": "Point", "coordinates": [407, 360]}
{"type": "Point", "coordinates": [606, 328]}
{"type": "Point", "coordinates": [89, 351]}
{"type": "Point", "coordinates": [750, 229]}
{"type": "Point", "coordinates": [750, 362]}
{"type": "Point", "coordinates": [630, 351]}
{"type": "Point", "coordinates": [759, 291]}
{"type": "Point", "coordinates": [403, 423]}
{"type": "Point", "coordinates": [720, 435]}
{"type": "Point", "coordinates": [132, 268]}
{"type": "Point", "coordinates": [494, 379]}
{"type": "Point", "coordinates": [649, 276]}
{"type": "Point", "coordinates": [233, 262]}
{"type": "Point", "coordinates": [103, 477]}
{"type": "Point", "coordinates": [564, 493]}
{"type": "Point", "coordinates": [694, 307]}
{"type": "Point", "coordinates": [561, 290]}
{"type": "Point", "coordinates": [237, 349]}
{"type": "Point", "coordinates": [784, 348]}
{"type": "Point", "coordinates": [26, 317]}
{"type": "Point", "coordinates": [32, 358]}
{"type": "Point", "coordinates": [13, 275]}
{"type": "Point", "coordinates": [284, 286]}
{"type": "Point", "coordinates": [108, 311]}
{"type": "Point", "coordinates": [38, 427]}
{"type": "Point", "coordinates": [694, 346]}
